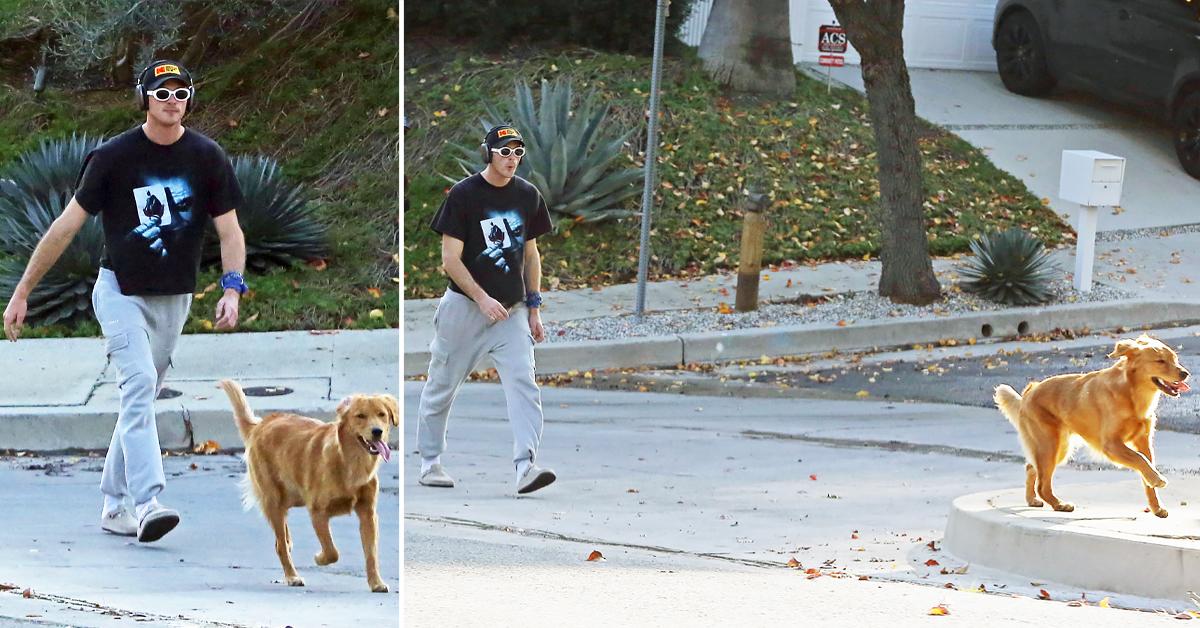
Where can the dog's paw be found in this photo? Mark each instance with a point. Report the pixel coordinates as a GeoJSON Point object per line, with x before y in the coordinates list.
{"type": "Point", "coordinates": [322, 559]}
{"type": "Point", "coordinates": [1037, 503]}
{"type": "Point", "coordinates": [1161, 513]}
{"type": "Point", "coordinates": [1065, 507]}
{"type": "Point", "coordinates": [295, 581]}
{"type": "Point", "coordinates": [1159, 482]}
{"type": "Point", "coordinates": [379, 587]}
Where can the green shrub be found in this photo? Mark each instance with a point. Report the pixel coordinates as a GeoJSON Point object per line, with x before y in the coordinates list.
{"type": "Point", "coordinates": [1011, 267]}
{"type": "Point", "coordinates": [617, 25]}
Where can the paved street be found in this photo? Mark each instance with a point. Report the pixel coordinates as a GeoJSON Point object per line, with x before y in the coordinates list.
{"type": "Point", "coordinates": [698, 503]}
{"type": "Point", "coordinates": [967, 375]}
{"type": "Point", "coordinates": [218, 568]}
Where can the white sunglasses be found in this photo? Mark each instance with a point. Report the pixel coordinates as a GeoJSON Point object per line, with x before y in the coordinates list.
{"type": "Point", "coordinates": [506, 151]}
{"type": "Point", "coordinates": [163, 94]}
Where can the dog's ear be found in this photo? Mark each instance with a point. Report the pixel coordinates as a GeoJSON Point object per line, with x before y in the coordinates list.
{"type": "Point", "coordinates": [1124, 348]}
{"type": "Point", "coordinates": [393, 408]}
{"type": "Point", "coordinates": [343, 406]}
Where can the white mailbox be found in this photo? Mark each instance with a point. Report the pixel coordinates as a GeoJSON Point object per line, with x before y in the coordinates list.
{"type": "Point", "coordinates": [1091, 178]}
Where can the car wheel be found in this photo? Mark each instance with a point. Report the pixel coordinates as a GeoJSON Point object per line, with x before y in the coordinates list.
{"type": "Point", "coordinates": [1187, 133]}
{"type": "Point", "coordinates": [1021, 56]}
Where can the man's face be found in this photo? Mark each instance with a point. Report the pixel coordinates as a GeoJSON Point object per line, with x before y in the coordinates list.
{"type": "Point", "coordinates": [507, 166]}
{"type": "Point", "coordinates": [170, 112]}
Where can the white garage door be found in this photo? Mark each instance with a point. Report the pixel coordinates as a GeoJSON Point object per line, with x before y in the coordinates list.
{"type": "Point", "coordinates": [953, 34]}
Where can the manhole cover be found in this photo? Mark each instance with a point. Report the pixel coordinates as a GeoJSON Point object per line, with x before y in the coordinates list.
{"type": "Point", "coordinates": [168, 393]}
{"type": "Point", "coordinates": [267, 391]}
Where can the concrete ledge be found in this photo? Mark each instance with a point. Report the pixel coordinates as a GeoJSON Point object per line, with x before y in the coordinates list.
{"type": "Point", "coordinates": [1108, 543]}
{"type": "Point", "coordinates": [802, 339]}
{"type": "Point", "coordinates": [561, 357]}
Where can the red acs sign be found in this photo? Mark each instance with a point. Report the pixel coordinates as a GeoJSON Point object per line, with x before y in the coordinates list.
{"type": "Point", "coordinates": [833, 39]}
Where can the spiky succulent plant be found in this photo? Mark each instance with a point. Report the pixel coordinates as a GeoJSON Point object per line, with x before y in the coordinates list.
{"type": "Point", "coordinates": [34, 190]}
{"type": "Point", "coordinates": [570, 152]}
{"type": "Point", "coordinates": [1011, 267]}
{"type": "Point", "coordinates": [276, 217]}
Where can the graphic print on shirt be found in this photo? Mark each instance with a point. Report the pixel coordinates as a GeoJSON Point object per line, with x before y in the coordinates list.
{"type": "Point", "coordinates": [163, 207]}
{"type": "Point", "coordinates": [504, 234]}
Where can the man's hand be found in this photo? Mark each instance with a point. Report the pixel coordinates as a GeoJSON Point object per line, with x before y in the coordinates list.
{"type": "Point", "coordinates": [492, 309]}
{"type": "Point", "coordinates": [14, 317]}
{"type": "Point", "coordinates": [535, 325]}
{"type": "Point", "coordinates": [227, 309]}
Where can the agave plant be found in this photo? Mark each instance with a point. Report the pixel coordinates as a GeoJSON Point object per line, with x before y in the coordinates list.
{"type": "Point", "coordinates": [570, 153]}
{"type": "Point", "coordinates": [276, 217]}
{"type": "Point", "coordinates": [65, 290]}
{"type": "Point", "coordinates": [34, 190]}
{"type": "Point", "coordinates": [1010, 267]}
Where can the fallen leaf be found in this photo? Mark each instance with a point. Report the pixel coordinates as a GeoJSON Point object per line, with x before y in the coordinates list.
{"type": "Point", "coordinates": [793, 563]}
{"type": "Point", "coordinates": [27, 593]}
{"type": "Point", "coordinates": [364, 55]}
{"type": "Point", "coordinates": [317, 264]}
{"type": "Point", "coordinates": [931, 563]}
{"type": "Point", "coordinates": [1043, 595]}
{"type": "Point", "coordinates": [723, 308]}
{"type": "Point", "coordinates": [253, 317]}
{"type": "Point", "coordinates": [841, 323]}
{"type": "Point", "coordinates": [207, 448]}
{"type": "Point", "coordinates": [1104, 603]}
{"type": "Point", "coordinates": [813, 477]}
{"type": "Point", "coordinates": [383, 111]}
{"type": "Point", "coordinates": [595, 555]}
{"type": "Point", "coordinates": [1075, 603]}
{"type": "Point", "coordinates": [1183, 616]}
{"type": "Point", "coordinates": [375, 292]}
{"type": "Point", "coordinates": [940, 609]}
{"type": "Point", "coordinates": [632, 490]}
{"type": "Point", "coordinates": [862, 393]}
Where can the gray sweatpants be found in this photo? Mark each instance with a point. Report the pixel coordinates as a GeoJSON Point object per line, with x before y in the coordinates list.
{"type": "Point", "coordinates": [140, 334]}
{"type": "Point", "coordinates": [463, 335]}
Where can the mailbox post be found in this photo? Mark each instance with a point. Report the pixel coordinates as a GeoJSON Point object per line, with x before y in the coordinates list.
{"type": "Point", "coordinates": [1092, 179]}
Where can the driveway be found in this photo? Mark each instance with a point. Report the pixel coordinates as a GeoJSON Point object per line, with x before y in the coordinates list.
{"type": "Point", "coordinates": [1026, 137]}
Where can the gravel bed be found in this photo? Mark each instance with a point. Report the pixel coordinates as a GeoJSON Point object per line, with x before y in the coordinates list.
{"type": "Point", "coordinates": [1148, 232]}
{"type": "Point", "coordinates": [850, 307]}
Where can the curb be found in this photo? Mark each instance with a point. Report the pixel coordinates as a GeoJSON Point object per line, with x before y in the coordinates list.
{"type": "Point", "coordinates": [1043, 545]}
{"type": "Point", "coordinates": [63, 429]}
{"type": "Point", "coordinates": [663, 351]}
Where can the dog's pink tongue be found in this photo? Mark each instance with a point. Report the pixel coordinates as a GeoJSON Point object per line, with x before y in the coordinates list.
{"type": "Point", "coordinates": [1183, 387]}
{"type": "Point", "coordinates": [385, 452]}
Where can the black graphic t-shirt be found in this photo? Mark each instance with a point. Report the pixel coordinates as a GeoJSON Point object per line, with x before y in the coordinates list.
{"type": "Point", "coordinates": [154, 202]}
{"type": "Point", "coordinates": [494, 224]}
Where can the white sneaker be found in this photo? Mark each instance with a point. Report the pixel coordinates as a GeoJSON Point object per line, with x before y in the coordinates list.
{"type": "Point", "coordinates": [436, 476]}
{"type": "Point", "coordinates": [156, 522]}
{"type": "Point", "coordinates": [119, 522]}
{"type": "Point", "coordinates": [534, 478]}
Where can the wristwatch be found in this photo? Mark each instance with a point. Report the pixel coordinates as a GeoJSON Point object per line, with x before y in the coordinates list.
{"type": "Point", "coordinates": [533, 300]}
{"type": "Point", "coordinates": [233, 279]}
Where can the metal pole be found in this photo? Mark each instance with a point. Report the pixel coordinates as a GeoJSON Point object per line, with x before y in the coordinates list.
{"type": "Point", "coordinates": [660, 23]}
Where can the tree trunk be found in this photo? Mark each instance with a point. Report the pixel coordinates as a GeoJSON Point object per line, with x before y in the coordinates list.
{"type": "Point", "coordinates": [747, 46]}
{"type": "Point", "coordinates": [874, 28]}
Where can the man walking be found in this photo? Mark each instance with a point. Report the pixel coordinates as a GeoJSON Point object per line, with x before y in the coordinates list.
{"type": "Point", "coordinates": [489, 223]}
{"type": "Point", "coordinates": [154, 187]}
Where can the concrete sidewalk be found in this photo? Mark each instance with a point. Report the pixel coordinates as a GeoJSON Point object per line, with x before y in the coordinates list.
{"type": "Point", "coordinates": [61, 393]}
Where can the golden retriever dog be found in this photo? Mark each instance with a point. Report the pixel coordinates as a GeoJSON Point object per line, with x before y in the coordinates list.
{"type": "Point", "coordinates": [329, 468]}
{"type": "Point", "coordinates": [1112, 410]}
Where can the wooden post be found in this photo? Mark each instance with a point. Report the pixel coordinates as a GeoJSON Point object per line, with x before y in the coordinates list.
{"type": "Point", "coordinates": [754, 223]}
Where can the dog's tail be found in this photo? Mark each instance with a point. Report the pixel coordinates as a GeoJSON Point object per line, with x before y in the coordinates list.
{"type": "Point", "coordinates": [242, 414]}
{"type": "Point", "coordinates": [1009, 402]}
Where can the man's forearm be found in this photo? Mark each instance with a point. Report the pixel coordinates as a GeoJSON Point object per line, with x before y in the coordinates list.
{"type": "Point", "coordinates": [533, 272]}
{"type": "Point", "coordinates": [233, 252]}
{"type": "Point", "coordinates": [45, 254]}
{"type": "Point", "coordinates": [463, 279]}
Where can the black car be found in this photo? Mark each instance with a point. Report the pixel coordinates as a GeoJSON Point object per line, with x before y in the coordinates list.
{"type": "Point", "coordinates": [1144, 53]}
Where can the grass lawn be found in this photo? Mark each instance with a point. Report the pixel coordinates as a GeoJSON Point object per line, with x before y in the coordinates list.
{"type": "Point", "coordinates": [812, 153]}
